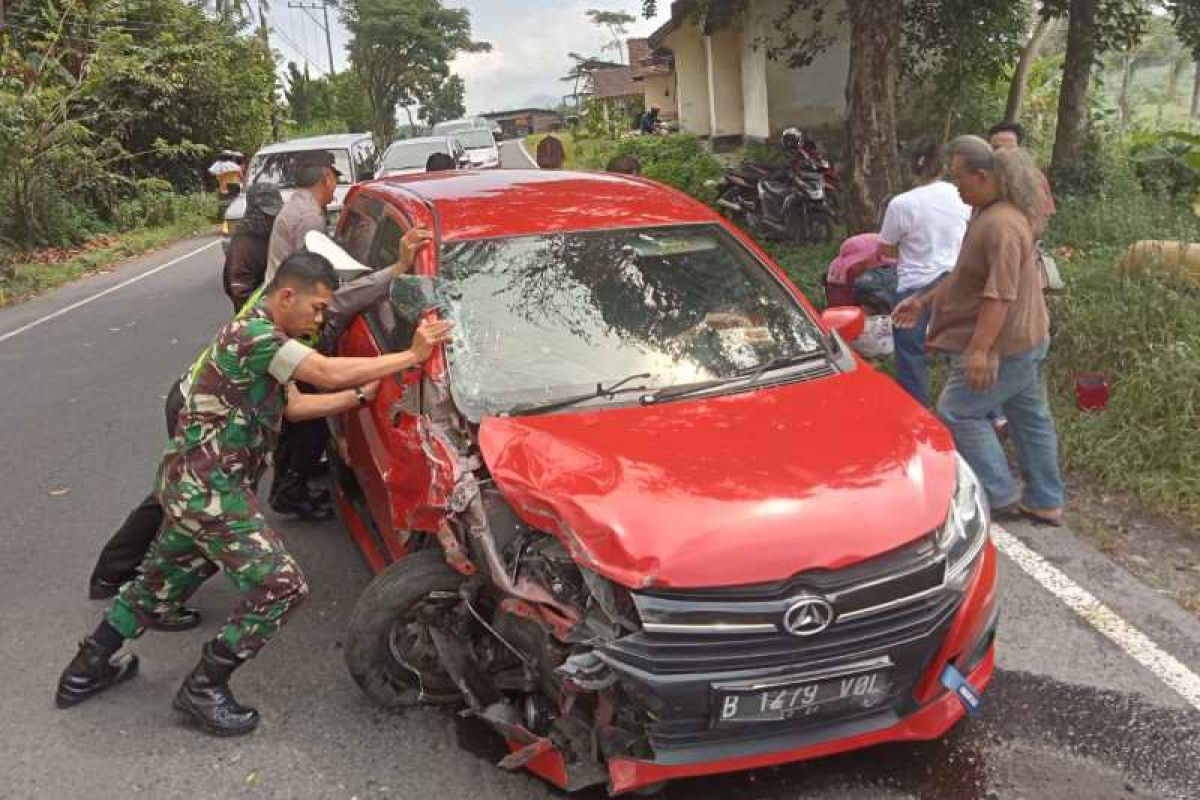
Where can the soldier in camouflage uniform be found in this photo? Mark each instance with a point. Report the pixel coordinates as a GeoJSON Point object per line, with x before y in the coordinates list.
{"type": "Point", "coordinates": [208, 482]}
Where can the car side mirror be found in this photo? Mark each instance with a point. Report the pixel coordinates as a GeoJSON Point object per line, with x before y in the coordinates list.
{"type": "Point", "coordinates": [848, 321]}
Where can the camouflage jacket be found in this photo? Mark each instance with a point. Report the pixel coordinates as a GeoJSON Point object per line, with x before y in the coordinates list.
{"type": "Point", "coordinates": [234, 409]}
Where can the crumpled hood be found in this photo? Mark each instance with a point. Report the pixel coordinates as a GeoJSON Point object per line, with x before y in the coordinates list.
{"type": "Point", "coordinates": [733, 490]}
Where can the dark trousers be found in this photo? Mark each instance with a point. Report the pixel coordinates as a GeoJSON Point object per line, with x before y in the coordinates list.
{"type": "Point", "coordinates": [119, 560]}
{"type": "Point", "coordinates": [300, 445]}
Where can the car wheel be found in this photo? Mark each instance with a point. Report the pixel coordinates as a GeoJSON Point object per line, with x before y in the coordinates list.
{"type": "Point", "coordinates": [389, 651]}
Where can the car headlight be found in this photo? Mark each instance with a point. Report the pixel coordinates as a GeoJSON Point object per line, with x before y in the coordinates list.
{"type": "Point", "coordinates": [962, 536]}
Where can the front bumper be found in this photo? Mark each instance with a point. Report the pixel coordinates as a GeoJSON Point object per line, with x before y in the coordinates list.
{"type": "Point", "coordinates": [684, 744]}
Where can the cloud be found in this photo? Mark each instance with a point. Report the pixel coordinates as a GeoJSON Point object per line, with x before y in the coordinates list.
{"type": "Point", "coordinates": [530, 43]}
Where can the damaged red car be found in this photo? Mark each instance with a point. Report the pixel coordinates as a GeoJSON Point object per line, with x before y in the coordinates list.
{"type": "Point", "coordinates": [648, 516]}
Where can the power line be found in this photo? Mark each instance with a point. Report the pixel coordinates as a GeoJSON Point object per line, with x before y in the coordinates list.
{"type": "Point", "coordinates": [324, 8]}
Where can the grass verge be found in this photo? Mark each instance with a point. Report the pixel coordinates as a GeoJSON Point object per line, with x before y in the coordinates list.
{"type": "Point", "coordinates": [26, 274]}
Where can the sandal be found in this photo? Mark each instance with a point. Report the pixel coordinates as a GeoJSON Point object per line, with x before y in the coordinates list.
{"type": "Point", "coordinates": [1041, 520]}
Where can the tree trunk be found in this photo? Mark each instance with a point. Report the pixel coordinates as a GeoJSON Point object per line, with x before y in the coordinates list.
{"type": "Point", "coordinates": [1077, 72]}
{"type": "Point", "coordinates": [1020, 81]}
{"type": "Point", "coordinates": [871, 107]}
{"type": "Point", "coordinates": [1123, 110]}
{"type": "Point", "coordinates": [1196, 92]}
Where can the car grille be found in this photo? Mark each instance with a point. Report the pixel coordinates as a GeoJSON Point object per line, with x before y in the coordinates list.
{"type": "Point", "coordinates": [894, 606]}
{"type": "Point", "coordinates": [675, 654]}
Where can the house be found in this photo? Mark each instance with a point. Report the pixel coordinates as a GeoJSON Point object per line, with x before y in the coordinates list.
{"type": "Point", "coordinates": [525, 121]}
{"type": "Point", "coordinates": [722, 82]}
{"type": "Point", "coordinates": [654, 70]}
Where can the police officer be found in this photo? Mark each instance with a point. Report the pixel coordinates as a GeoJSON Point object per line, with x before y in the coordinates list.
{"type": "Point", "coordinates": [301, 444]}
{"type": "Point", "coordinates": [207, 482]}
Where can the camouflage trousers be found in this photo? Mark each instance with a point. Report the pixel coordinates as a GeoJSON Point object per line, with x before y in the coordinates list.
{"type": "Point", "coordinates": [193, 543]}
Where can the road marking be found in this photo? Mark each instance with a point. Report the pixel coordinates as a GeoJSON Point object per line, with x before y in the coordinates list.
{"type": "Point", "coordinates": [5, 337]}
{"type": "Point", "coordinates": [1136, 644]}
{"type": "Point", "coordinates": [532, 161]}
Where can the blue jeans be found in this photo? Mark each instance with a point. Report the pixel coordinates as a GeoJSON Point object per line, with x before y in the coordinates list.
{"type": "Point", "coordinates": [1019, 391]}
{"type": "Point", "coordinates": [912, 372]}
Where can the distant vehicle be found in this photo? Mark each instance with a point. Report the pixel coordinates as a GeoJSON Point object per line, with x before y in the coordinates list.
{"type": "Point", "coordinates": [353, 155]}
{"type": "Point", "coordinates": [460, 125]}
{"type": "Point", "coordinates": [481, 148]}
{"type": "Point", "coordinates": [408, 156]}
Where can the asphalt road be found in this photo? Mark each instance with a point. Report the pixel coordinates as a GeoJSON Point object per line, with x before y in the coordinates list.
{"type": "Point", "coordinates": [1071, 714]}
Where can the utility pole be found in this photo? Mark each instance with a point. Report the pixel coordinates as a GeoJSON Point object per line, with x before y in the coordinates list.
{"type": "Point", "coordinates": [324, 7]}
{"type": "Point", "coordinates": [265, 34]}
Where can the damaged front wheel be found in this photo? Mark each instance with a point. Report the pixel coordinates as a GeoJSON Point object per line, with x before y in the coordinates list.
{"type": "Point", "coordinates": [389, 650]}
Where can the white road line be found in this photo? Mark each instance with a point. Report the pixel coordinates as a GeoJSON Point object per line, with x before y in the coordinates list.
{"type": "Point", "coordinates": [5, 337]}
{"type": "Point", "coordinates": [1136, 644]}
{"type": "Point", "coordinates": [521, 146]}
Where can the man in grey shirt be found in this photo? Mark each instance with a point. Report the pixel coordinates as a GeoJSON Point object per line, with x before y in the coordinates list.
{"type": "Point", "coordinates": [316, 179]}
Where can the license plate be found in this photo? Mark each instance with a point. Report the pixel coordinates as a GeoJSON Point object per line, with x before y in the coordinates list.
{"type": "Point", "coordinates": [802, 700]}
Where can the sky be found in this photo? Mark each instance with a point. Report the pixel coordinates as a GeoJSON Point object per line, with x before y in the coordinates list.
{"type": "Point", "coordinates": [530, 40]}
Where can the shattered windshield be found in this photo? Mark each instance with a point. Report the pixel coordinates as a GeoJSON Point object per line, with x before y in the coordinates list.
{"type": "Point", "coordinates": [540, 318]}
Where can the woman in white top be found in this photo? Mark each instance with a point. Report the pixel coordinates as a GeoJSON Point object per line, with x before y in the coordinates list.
{"type": "Point", "coordinates": [922, 229]}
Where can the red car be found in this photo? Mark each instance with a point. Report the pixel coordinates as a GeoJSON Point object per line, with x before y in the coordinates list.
{"type": "Point", "coordinates": [648, 516]}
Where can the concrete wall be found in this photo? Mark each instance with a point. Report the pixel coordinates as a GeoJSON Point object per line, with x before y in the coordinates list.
{"type": "Point", "coordinates": [660, 92]}
{"type": "Point", "coordinates": [726, 52]}
{"type": "Point", "coordinates": [691, 79]}
{"type": "Point", "coordinates": [815, 95]}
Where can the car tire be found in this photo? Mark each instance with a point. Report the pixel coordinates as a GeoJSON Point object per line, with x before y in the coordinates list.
{"type": "Point", "coordinates": [384, 650]}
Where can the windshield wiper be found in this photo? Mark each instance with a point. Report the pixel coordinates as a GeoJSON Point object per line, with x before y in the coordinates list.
{"type": "Point", "coordinates": [752, 374]}
{"type": "Point", "coordinates": [619, 387]}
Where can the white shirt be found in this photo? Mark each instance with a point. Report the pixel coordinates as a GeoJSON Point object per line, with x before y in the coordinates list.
{"type": "Point", "coordinates": [927, 224]}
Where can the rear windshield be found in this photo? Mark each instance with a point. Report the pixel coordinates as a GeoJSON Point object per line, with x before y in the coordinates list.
{"type": "Point", "coordinates": [412, 155]}
{"type": "Point", "coordinates": [280, 168]}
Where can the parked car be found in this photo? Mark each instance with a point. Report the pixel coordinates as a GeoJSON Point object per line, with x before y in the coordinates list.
{"type": "Point", "coordinates": [408, 156]}
{"type": "Point", "coordinates": [648, 516]}
{"type": "Point", "coordinates": [354, 157]}
{"type": "Point", "coordinates": [459, 125]}
{"type": "Point", "coordinates": [481, 148]}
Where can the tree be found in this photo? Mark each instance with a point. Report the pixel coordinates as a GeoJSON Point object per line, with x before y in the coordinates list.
{"type": "Point", "coordinates": [1019, 86]}
{"type": "Point", "coordinates": [444, 102]}
{"type": "Point", "coordinates": [1094, 27]}
{"type": "Point", "coordinates": [1185, 14]}
{"type": "Point", "coordinates": [616, 25]}
{"type": "Point", "coordinates": [402, 50]}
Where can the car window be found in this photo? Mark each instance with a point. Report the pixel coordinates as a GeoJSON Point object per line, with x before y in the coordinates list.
{"type": "Point", "coordinates": [364, 159]}
{"type": "Point", "coordinates": [411, 155]}
{"type": "Point", "coordinates": [280, 168]}
{"type": "Point", "coordinates": [357, 232]}
{"type": "Point", "coordinates": [473, 140]}
{"type": "Point", "coordinates": [392, 331]}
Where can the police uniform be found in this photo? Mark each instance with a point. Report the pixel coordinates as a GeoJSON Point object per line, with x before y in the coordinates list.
{"type": "Point", "coordinates": [207, 486]}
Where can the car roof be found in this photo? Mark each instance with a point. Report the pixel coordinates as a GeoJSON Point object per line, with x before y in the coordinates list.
{"type": "Point", "coordinates": [333, 141]}
{"type": "Point", "coordinates": [509, 202]}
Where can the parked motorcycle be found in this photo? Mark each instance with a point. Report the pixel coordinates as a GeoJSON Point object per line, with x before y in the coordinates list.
{"type": "Point", "coordinates": [790, 200]}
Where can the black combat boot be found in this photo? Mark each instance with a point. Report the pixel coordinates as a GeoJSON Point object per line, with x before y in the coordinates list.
{"type": "Point", "coordinates": [205, 695]}
{"type": "Point", "coordinates": [291, 494]}
{"type": "Point", "coordinates": [94, 669]}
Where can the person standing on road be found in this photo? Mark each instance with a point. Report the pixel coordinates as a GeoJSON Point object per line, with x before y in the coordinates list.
{"type": "Point", "coordinates": [922, 229]}
{"type": "Point", "coordinates": [125, 550]}
{"type": "Point", "coordinates": [302, 443]}
{"type": "Point", "coordinates": [316, 180]}
{"type": "Point", "coordinates": [990, 317]}
{"type": "Point", "coordinates": [246, 258]}
{"type": "Point", "coordinates": [207, 486]}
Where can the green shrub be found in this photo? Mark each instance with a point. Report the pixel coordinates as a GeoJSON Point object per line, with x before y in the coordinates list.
{"type": "Point", "coordinates": [679, 160]}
